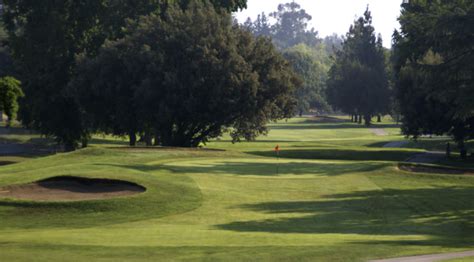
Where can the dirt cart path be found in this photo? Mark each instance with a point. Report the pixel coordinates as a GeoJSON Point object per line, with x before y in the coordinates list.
{"type": "Point", "coordinates": [429, 258]}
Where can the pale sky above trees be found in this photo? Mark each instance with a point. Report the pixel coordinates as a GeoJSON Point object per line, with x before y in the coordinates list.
{"type": "Point", "coordinates": [335, 16]}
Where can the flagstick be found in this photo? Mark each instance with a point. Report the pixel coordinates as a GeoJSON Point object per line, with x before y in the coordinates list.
{"type": "Point", "coordinates": [278, 162]}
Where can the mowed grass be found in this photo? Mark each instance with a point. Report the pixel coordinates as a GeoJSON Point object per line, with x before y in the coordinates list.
{"type": "Point", "coordinates": [334, 194]}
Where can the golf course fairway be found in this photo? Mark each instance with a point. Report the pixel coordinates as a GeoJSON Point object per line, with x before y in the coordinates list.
{"type": "Point", "coordinates": [333, 194]}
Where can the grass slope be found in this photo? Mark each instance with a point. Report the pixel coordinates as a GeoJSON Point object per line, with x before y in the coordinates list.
{"type": "Point", "coordinates": [333, 195]}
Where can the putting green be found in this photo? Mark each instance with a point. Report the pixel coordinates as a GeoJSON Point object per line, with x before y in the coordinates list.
{"type": "Point", "coordinates": [236, 205]}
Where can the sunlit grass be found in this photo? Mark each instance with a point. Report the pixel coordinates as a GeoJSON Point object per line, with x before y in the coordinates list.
{"type": "Point", "coordinates": [334, 194]}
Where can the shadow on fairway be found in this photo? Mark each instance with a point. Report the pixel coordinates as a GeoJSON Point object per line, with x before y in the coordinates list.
{"type": "Point", "coordinates": [429, 212]}
{"type": "Point", "coordinates": [340, 154]}
{"type": "Point", "coordinates": [264, 168]}
{"type": "Point", "coordinates": [317, 126]}
{"type": "Point", "coordinates": [378, 144]}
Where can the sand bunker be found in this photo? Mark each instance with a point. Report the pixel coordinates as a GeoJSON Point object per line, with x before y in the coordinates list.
{"type": "Point", "coordinates": [71, 189]}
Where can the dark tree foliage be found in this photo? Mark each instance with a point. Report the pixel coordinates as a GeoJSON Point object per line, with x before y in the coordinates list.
{"type": "Point", "coordinates": [260, 27]}
{"type": "Point", "coordinates": [434, 70]}
{"type": "Point", "coordinates": [185, 77]}
{"type": "Point", "coordinates": [358, 83]}
{"type": "Point", "coordinates": [46, 36]}
{"type": "Point", "coordinates": [228, 5]}
{"type": "Point", "coordinates": [6, 62]}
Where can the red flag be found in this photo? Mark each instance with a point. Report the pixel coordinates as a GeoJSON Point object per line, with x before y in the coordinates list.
{"type": "Point", "coordinates": [277, 148]}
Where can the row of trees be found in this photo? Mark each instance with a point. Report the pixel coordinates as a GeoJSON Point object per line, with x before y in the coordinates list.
{"type": "Point", "coordinates": [182, 73]}
{"type": "Point", "coordinates": [433, 54]}
{"type": "Point", "coordinates": [427, 78]}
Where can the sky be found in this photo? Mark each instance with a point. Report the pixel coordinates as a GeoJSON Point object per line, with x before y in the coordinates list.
{"type": "Point", "coordinates": [335, 16]}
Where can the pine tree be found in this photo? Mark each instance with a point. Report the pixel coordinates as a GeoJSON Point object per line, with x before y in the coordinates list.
{"type": "Point", "coordinates": [358, 83]}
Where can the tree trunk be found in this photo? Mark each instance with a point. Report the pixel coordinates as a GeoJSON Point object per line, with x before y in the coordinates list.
{"type": "Point", "coordinates": [1, 116]}
{"type": "Point", "coordinates": [69, 146]}
{"type": "Point", "coordinates": [157, 141]}
{"type": "Point", "coordinates": [368, 120]}
{"type": "Point", "coordinates": [360, 119]}
{"type": "Point", "coordinates": [148, 139]}
{"type": "Point", "coordinates": [85, 142]}
{"type": "Point", "coordinates": [133, 138]}
{"type": "Point", "coordinates": [448, 150]}
{"type": "Point", "coordinates": [352, 118]}
{"type": "Point", "coordinates": [463, 151]}
{"type": "Point", "coordinates": [379, 119]}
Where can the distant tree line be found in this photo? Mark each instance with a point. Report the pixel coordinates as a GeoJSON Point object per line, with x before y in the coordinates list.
{"type": "Point", "coordinates": [309, 55]}
{"type": "Point", "coordinates": [176, 71]}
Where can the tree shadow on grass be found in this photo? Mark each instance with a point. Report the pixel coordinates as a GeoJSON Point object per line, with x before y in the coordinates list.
{"type": "Point", "coordinates": [437, 212]}
{"type": "Point", "coordinates": [262, 168]}
{"type": "Point", "coordinates": [341, 154]}
{"type": "Point", "coordinates": [323, 126]}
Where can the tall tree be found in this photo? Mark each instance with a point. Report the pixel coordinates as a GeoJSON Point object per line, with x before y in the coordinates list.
{"type": "Point", "coordinates": [434, 71]}
{"type": "Point", "coordinates": [260, 27]}
{"type": "Point", "coordinates": [186, 77]}
{"type": "Point", "coordinates": [358, 82]}
{"type": "Point", "coordinates": [291, 27]}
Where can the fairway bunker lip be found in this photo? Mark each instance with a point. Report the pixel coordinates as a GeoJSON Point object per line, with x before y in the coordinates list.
{"type": "Point", "coordinates": [70, 188]}
{"type": "Point", "coordinates": [439, 170]}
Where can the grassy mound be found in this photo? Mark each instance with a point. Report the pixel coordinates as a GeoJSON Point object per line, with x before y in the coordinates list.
{"type": "Point", "coordinates": [166, 194]}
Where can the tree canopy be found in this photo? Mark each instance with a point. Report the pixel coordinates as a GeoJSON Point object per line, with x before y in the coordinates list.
{"type": "Point", "coordinates": [434, 71]}
{"type": "Point", "coordinates": [312, 70]}
{"type": "Point", "coordinates": [184, 77]}
{"type": "Point", "coordinates": [290, 28]}
{"type": "Point", "coordinates": [45, 38]}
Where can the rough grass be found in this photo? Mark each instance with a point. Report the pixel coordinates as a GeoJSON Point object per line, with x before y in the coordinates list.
{"type": "Point", "coordinates": [332, 195]}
